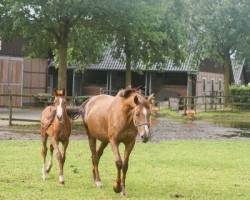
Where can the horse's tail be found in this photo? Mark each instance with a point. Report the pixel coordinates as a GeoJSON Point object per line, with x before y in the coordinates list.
{"type": "Point", "coordinates": [82, 107]}
{"type": "Point", "coordinates": [73, 113]}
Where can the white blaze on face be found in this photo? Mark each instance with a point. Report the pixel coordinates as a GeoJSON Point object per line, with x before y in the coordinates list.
{"type": "Point", "coordinates": [144, 110]}
{"type": "Point", "coordinates": [59, 110]}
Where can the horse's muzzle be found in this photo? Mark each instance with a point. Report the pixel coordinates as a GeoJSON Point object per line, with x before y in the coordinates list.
{"type": "Point", "coordinates": [59, 118]}
{"type": "Point", "coordinates": [144, 138]}
{"type": "Point", "coordinates": [145, 135]}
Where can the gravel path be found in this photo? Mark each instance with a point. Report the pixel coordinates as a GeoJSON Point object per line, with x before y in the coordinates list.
{"type": "Point", "coordinates": [166, 129]}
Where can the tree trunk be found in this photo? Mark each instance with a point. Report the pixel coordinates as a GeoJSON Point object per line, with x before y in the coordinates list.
{"type": "Point", "coordinates": [128, 64]}
{"type": "Point", "coordinates": [128, 73]}
{"type": "Point", "coordinates": [62, 69]}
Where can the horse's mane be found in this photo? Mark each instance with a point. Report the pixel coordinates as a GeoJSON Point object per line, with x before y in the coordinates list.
{"type": "Point", "coordinates": [48, 119]}
{"type": "Point", "coordinates": [125, 93]}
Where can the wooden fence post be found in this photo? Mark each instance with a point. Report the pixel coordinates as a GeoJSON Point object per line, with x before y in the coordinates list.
{"type": "Point", "coordinates": [10, 110]}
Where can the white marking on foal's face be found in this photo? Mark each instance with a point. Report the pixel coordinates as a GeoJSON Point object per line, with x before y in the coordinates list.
{"type": "Point", "coordinates": [144, 111]}
{"type": "Point", "coordinates": [59, 111]}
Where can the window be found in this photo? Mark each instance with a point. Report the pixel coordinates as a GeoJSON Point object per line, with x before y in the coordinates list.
{"type": "Point", "coordinates": [204, 84]}
{"type": "Point", "coordinates": [212, 86]}
{"type": "Point", "coordinates": [220, 85]}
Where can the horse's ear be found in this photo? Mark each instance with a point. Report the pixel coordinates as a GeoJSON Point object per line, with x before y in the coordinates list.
{"type": "Point", "coordinates": [150, 98]}
{"type": "Point", "coordinates": [136, 100]}
{"type": "Point", "coordinates": [63, 92]}
{"type": "Point", "coordinates": [55, 92]}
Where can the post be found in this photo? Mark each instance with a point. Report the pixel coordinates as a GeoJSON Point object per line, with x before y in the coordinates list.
{"type": "Point", "coordinates": [10, 110]}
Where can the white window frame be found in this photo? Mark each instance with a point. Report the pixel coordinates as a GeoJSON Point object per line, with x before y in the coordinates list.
{"type": "Point", "coordinates": [212, 85]}
{"type": "Point", "coordinates": [204, 85]}
{"type": "Point", "coordinates": [220, 85]}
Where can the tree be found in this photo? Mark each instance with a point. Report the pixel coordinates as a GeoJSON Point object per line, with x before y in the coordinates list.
{"type": "Point", "coordinates": [143, 32]}
{"type": "Point", "coordinates": [221, 28]}
{"type": "Point", "coordinates": [59, 26]}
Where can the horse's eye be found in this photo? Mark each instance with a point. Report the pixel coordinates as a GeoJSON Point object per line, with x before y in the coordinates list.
{"type": "Point", "coordinates": [137, 114]}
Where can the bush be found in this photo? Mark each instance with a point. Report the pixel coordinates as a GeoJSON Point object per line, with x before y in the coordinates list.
{"type": "Point", "coordinates": [240, 96]}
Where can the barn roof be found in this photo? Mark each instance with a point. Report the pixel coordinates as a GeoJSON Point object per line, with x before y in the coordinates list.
{"type": "Point", "coordinates": [110, 63]}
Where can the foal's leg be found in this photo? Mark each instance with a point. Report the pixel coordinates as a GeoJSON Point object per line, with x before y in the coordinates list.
{"type": "Point", "coordinates": [64, 148]}
{"type": "Point", "coordinates": [44, 153]}
{"type": "Point", "coordinates": [59, 159]}
{"type": "Point", "coordinates": [118, 161]}
{"type": "Point", "coordinates": [128, 148]}
{"type": "Point", "coordinates": [51, 159]}
{"type": "Point", "coordinates": [95, 160]}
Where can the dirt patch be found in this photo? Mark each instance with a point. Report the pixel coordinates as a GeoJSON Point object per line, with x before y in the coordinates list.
{"type": "Point", "coordinates": [167, 129]}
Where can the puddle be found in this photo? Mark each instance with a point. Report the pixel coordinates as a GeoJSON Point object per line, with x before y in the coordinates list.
{"type": "Point", "coordinates": [233, 124]}
{"type": "Point", "coordinates": [242, 126]}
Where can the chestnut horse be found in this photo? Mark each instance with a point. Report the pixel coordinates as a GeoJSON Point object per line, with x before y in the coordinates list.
{"type": "Point", "coordinates": [116, 120]}
{"type": "Point", "coordinates": [55, 123]}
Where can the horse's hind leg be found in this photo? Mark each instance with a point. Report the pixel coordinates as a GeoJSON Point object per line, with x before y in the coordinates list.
{"type": "Point", "coordinates": [128, 148]}
{"type": "Point", "coordinates": [95, 160]}
{"type": "Point", "coordinates": [118, 161]}
{"type": "Point", "coordinates": [51, 159]}
{"type": "Point", "coordinates": [44, 153]}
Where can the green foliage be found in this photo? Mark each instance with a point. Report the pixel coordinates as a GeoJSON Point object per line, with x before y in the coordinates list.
{"type": "Point", "coordinates": [240, 96]}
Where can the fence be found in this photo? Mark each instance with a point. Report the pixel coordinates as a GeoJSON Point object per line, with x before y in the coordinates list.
{"type": "Point", "coordinates": [211, 102]}
{"type": "Point", "coordinates": [38, 101]}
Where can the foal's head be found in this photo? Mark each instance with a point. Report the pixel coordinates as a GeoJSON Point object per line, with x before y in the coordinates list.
{"type": "Point", "coordinates": [141, 116]}
{"type": "Point", "coordinates": [60, 103]}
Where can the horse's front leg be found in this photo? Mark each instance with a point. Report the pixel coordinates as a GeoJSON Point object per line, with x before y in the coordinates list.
{"type": "Point", "coordinates": [59, 159]}
{"type": "Point", "coordinates": [64, 148]}
{"type": "Point", "coordinates": [118, 161]}
{"type": "Point", "coordinates": [128, 148]}
{"type": "Point", "coordinates": [51, 159]}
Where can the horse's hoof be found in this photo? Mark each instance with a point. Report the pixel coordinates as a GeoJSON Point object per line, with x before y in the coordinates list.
{"type": "Point", "coordinates": [123, 193]}
{"type": "Point", "coordinates": [62, 183]}
{"type": "Point", "coordinates": [44, 176]}
{"type": "Point", "coordinates": [61, 180]}
{"type": "Point", "coordinates": [98, 184]}
{"type": "Point", "coordinates": [117, 189]}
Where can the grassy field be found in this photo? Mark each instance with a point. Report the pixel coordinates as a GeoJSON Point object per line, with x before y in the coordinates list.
{"type": "Point", "coordinates": [165, 170]}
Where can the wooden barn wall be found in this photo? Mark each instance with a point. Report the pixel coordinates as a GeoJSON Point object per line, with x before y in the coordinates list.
{"type": "Point", "coordinates": [25, 76]}
{"type": "Point", "coordinates": [10, 80]}
{"type": "Point", "coordinates": [35, 76]}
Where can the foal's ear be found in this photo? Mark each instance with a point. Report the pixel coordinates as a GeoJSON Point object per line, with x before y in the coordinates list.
{"type": "Point", "coordinates": [150, 98]}
{"type": "Point", "coordinates": [63, 92]}
{"type": "Point", "coordinates": [136, 100]}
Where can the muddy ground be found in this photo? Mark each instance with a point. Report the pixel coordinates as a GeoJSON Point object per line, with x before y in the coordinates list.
{"type": "Point", "coordinates": [166, 129]}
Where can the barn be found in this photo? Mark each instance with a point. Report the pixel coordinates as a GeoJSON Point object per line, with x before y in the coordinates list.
{"type": "Point", "coordinates": [20, 75]}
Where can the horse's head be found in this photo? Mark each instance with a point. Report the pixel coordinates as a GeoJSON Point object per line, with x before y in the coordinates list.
{"type": "Point", "coordinates": [141, 116]}
{"type": "Point", "coordinates": [60, 103]}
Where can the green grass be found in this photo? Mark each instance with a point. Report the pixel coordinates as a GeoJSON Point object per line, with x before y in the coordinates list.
{"type": "Point", "coordinates": [165, 170]}
{"type": "Point", "coordinates": [231, 114]}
